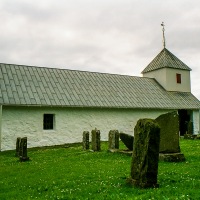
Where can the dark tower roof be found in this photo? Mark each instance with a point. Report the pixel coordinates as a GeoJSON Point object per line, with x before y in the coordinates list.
{"type": "Point", "coordinates": [165, 59]}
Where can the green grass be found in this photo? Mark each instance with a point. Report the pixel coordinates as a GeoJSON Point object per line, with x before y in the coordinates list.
{"type": "Point", "coordinates": [71, 173]}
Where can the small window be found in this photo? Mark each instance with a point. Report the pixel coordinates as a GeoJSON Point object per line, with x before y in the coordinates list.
{"type": "Point", "coordinates": [48, 122]}
{"type": "Point", "coordinates": [178, 78]}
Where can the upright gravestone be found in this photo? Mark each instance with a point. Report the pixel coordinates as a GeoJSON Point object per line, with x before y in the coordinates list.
{"type": "Point", "coordinates": [169, 137]}
{"type": "Point", "coordinates": [127, 140]}
{"type": "Point", "coordinates": [23, 150]}
{"type": "Point", "coordinates": [18, 141]}
{"type": "Point", "coordinates": [113, 139]}
{"type": "Point", "coordinates": [86, 143]}
{"type": "Point", "coordinates": [169, 132]}
{"type": "Point", "coordinates": [144, 165]}
{"type": "Point", "coordinates": [96, 145]}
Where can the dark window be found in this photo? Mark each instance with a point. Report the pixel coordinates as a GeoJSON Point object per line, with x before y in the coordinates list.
{"type": "Point", "coordinates": [48, 122]}
{"type": "Point", "coordinates": [178, 78]}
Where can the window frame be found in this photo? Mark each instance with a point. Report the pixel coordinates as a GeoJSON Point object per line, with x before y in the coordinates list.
{"type": "Point", "coordinates": [178, 78]}
{"type": "Point", "coordinates": [48, 121]}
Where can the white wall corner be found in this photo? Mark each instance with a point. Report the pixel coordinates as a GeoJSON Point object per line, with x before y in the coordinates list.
{"type": "Point", "coordinates": [196, 121]}
{"type": "Point", "coordinates": [199, 123]}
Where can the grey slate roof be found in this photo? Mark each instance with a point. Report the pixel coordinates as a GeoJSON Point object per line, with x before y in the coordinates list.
{"type": "Point", "coordinates": [165, 59]}
{"type": "Point", "coordinates": [25, 85]}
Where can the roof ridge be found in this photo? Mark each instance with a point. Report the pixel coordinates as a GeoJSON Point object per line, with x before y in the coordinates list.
{"type": "Point", "coordinates": [65, 69]}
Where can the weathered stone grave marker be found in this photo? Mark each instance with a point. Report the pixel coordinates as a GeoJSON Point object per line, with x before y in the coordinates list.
{"type": "Point", "coordinates": [127, 140]}
{"type": "Point", "coordinates": [23, 150]}
{"type": "Point", "coordinates": [169, 133]}
{"type": "Point", "coordinates": [144, 165]}
{"type": "Point", "coordinates": [86, 144]}
{"type": "Point", "coordinates": [113, 139]}
{"type": "Point", "coordinates": [18, 141]}
{"type": "Point", "coordinates": [169, 137]}
{"type": "Point", "coordinates": [96, 143]}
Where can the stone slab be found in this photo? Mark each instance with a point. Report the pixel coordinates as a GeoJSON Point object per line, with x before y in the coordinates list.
{"type": "Point", "coordinates": [125, 152]}
{"type": "Point", "coordinates": [96, 140]}
{"type": "Point", "coordinates": [144, 164]}
{"type": "Point", "coordinates": [127, 140]}
{"type": "Point", "coordinates": [113, 139]}
{"type": "Point", "coordinates": [172, 157]}
{"type": "Point", "coordinates": [169, 132]}
{"type": "Point", "coordinates": [86, 142]}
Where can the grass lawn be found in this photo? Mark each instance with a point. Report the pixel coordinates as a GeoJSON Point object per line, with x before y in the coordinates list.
{"type": "Point", "coordinates": [71, 173]}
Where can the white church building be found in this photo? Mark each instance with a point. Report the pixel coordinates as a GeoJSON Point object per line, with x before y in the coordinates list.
{"type": "Point", "coordinates": [53, 106]}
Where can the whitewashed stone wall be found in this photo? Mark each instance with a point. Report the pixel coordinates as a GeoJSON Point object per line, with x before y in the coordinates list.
{"type": "Point", "coordinates": [0, 123]}
{"type": "Point", "coordinates": [69, 124]}
{"type": "Point", "coordinates": [196, 121]}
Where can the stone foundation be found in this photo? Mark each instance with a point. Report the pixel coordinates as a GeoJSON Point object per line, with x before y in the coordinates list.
{"type": "Point", "coordinates": [172, 157]}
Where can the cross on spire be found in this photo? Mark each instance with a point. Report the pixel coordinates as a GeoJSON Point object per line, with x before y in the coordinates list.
{"type": "Point", "coordinates": [163, 25]}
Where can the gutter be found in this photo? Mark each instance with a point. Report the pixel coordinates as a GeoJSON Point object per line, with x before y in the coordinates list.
{"type": "Point", "coordinates": [1, 107]}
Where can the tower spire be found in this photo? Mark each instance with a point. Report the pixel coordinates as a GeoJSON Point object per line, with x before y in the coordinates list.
{"type": "Point", "coordinates": [163, 25]}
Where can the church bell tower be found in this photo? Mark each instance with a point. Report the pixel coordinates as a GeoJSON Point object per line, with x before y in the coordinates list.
{"type": "Point", "coordinates": [169, 71]}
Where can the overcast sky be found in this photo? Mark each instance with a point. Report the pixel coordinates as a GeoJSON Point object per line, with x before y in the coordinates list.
{"type": "Point", "coordinates": [112, 36]}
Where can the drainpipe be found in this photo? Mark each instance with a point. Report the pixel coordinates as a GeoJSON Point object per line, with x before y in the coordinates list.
{"type": "Point", "coordinates": [0, 123]}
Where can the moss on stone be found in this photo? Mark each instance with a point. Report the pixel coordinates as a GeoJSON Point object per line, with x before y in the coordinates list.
{"type": "Point", "coordinates": [144, 165]}
{"type": "Point", "coordinates": [96, 143]}
{"type": "Point", "coordinates": [169, 131]}
{"type": "Point", "coordinates": [113, 139]}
